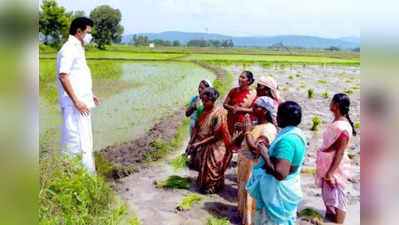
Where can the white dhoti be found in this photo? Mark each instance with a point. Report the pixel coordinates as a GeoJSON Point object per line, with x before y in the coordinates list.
{"type": "Point", "coordinates": [77, 138]}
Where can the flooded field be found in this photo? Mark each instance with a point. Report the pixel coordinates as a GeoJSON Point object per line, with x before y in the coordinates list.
{"type": "Point", "coordinates": [134, 98]}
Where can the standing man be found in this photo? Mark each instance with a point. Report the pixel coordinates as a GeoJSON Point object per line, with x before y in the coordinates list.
{"type": "Point", "coordinates": [75, 91]}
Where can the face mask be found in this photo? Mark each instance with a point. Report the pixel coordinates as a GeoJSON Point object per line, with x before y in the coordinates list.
{"type": "Point", "coordinates": [87, 39]}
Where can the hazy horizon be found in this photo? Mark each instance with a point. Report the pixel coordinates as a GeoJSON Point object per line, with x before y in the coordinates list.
{"type": "Point", "coordinates": [322, 18]}
{"type": "Point", "coordinates": [241, 35]}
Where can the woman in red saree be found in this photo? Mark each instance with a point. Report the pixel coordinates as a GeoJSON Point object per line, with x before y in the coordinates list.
{"type": "Point", "coordinates": [239, 101]}
{"type": "Point", "coordinates": [212, 143]}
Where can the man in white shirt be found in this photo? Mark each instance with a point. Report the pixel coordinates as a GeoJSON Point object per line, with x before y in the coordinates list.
{"type": "Point", "coordinates": [75, 92]}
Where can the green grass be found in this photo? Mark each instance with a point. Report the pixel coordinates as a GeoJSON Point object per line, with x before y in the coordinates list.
{"type": "Point", "coordinates": [159, 149]}
{"type": "Point", "coordinates": [209, 50]}
{"type": "Point", "coordinates": [357, 125]}
{"type": "Point", "coordinates": [266, 65]}
{"type": "Point", "coordinates": [125, 55]}
{"type": "Point", "coordinates": [222, 86]}
{"type": "Point", "coordinates": [302, 86]}
{"type": "Point", "coordinates": [108, 169]}
{"type": "Point", "coordinates": [179, 162]}
{"type": "Point", "coordinates": [311, 214]}
{"type": "Point", "coordinates": [316, 123]}
{"type": "Point", "coordinates": [70, 195]}
{"type": "Point", "coordinates": [349, 91]}
{"type": "Point", "coordinates": [218, 221]}
{"type": "Point", "coordinates": [218, 85]}
{"type": "Point", "coordinates": [291, 77]}
{"type": "Point", "coordinates": [324, 94]}
{"type": "Point", "coordinates": [308, 171]}
{"type": "Point", "coordinates": [310, 93]}
{"type": "Point", "coordinates": [188, 201]}
{"type": "Point", "coordinates": [324, 82]}
{"type": "Point", "coordinates": [135, 220]}
{"type": "Point", "coordinates": [270, 59]}
{"type": "Point", "coordinates": [174, 182]}
{"type": "Point", "coordinates": [356, 87]}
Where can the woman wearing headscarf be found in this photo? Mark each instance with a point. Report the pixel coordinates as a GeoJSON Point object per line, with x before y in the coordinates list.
{"type": "Point", "coordinates": [267, 86]}
{"type": "Point", "coordinates": [263, 131]}
{"type": "Point", "coordinates": [239, 101]}
{"type": "Point", "coordinates": [211, 141]}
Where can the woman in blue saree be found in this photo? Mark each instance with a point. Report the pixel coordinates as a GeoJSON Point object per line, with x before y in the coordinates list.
{"type": "Point", "coordinates": [275, 181]}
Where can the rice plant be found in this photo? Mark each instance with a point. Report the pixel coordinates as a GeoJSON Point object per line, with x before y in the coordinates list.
{"type": "Point", "coordinates": [311, 215]}
{"type": "Point", "coordinates": [323, 82]}
{"type": "Point", "coordinates": [310, 93]}
{"type": "Point", "coordinates": [218, 221]}
{"type": "Point", "coordinates": [316, 123]}
{"type": "Point", "coordinates": [308, 171]}
{"type": "Point", "coordinates": [179, 162]}
{"type": "Point", "coordinates": [348, 91]}
{"type": "Point", "coordinates": [174, 182]}
{"type": "Point", "coordinates": [188, 201]}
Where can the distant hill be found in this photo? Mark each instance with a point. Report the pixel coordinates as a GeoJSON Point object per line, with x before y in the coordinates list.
{"type": "Point", "coordinates": [257, 41]}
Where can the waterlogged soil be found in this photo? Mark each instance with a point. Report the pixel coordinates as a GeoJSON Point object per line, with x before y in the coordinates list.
{"type": "Point", "coordinates": [158, 206]}
{"type": "Point", "coordinates": [143, 95]}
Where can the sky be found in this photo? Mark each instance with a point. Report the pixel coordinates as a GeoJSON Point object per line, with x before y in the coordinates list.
{"type": "Point", "coordinates": [323, 18]}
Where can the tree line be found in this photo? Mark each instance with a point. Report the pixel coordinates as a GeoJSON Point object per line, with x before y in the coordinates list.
{"type": "Point", "coordinates": [141, 40]}
{"type": "Point", "coordinates": [54, 22]}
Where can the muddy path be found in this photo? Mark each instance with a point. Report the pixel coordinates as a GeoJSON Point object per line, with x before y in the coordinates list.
{"type": "Point", "coordinates": [133, 153]}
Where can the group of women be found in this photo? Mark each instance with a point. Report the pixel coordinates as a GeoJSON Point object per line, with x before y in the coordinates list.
{"type": "Point", "coordinates": [262, 130]}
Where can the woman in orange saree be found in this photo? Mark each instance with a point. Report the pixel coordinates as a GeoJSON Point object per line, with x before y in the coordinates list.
{"type": "Point", "coordinates": [212, 143]}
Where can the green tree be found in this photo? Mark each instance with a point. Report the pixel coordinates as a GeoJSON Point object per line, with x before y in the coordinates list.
{"type": "Point", "coordinates": [141, 40]}
{"type": "Point", "coordinates": [176, 43]}
{"type": "Point", "coordinates": [54, 22]}
{"type": "Point", "coordinates": [78, 13]}
{"type": "Point", "coordinates": [215, 43]}
{"type": "Point", "coordinates": [106, 25]}
{"type": "Point", "coordinates": [332, 48]}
